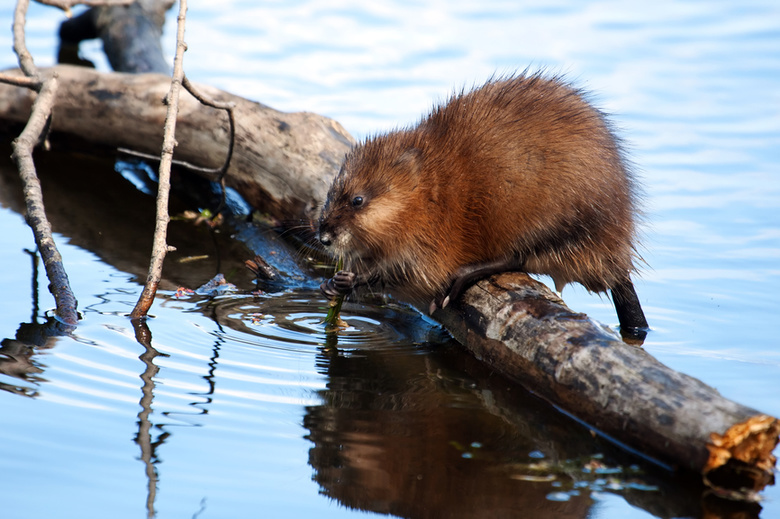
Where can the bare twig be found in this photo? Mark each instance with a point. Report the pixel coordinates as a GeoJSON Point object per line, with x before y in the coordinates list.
{"type": "Point", "coordinates": [229, 107]}
{"type": "Point", "coordinates": [21, 81]}
{"type": "Point", "coordinates": [20, 48]}
{"type": "Point", "coordinates": [180, 163]}
{"type": "Point", "coordinates": [160, 248]}
{"type": "Point", "coordinates": [37, 126]}
{"type": "Point", "coordinates": [36, 214]}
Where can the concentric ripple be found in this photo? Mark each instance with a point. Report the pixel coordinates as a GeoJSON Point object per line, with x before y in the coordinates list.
{"type": "Point", "coordinates": [294, 321]}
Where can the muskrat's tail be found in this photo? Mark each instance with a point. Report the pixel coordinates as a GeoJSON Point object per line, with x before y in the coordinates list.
{"type": "Point", "coordinates": [633, 324]}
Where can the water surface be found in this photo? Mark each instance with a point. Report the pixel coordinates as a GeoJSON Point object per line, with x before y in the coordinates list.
{"type": "Point", "coordinates": [239, 405]}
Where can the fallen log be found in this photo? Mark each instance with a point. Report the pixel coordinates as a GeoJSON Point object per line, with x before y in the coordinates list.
{"type": "Point", "coordinates": [520, 328]}
{"type": "Point", "coordinates": [282, 163]}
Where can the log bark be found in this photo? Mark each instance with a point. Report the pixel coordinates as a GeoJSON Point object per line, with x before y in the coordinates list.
{"type": "Point", "coordinates": [520, 328]}
{"type": "Point", "coordinates": [283, 163]}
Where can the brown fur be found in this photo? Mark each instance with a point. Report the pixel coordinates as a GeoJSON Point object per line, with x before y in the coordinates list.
{"type": "Point", "coordinates": [521, 170]}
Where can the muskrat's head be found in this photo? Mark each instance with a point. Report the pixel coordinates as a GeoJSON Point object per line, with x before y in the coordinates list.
{"type": "Point", "coordinates": [366, 215]}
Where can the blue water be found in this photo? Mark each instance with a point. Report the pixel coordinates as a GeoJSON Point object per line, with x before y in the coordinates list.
{"type": "Point", "coordinates": [241, 384]}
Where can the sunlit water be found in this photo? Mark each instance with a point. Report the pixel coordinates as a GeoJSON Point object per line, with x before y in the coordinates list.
{"type": "Point", "coordinates": [241, 404]}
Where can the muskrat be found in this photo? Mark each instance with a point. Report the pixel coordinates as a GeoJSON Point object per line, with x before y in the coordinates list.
{"type": "Point", "coordinates": [519, 174]}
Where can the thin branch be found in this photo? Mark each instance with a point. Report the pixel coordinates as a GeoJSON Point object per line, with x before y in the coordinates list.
{"type": "Point", "coordinates": [37, 126]}
{"type": "Point", "coordinates": [160, 248]}
{"type": "Point", "coordinates": [36, 214]}
{"type": "Point", "coordinates": [229, 107]}
{"type": "Point", "coordinates": [180, 163]}
{"type": "Point", "coordinates": [20, 48]}
{"type": "Point", "coordinates": [21, 81]}
{"type": "Point", "coordinates": [205, 98]}
{"type": "Point", "coordinates": [220, 172]}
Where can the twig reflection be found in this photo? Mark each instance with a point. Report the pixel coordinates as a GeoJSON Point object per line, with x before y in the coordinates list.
{"type": "Point", "coordinates": [144, 437]}
{"type": "Point", "coordinates": [17, 354]}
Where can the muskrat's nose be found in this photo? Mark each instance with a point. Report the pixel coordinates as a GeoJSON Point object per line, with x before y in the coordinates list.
{"type": "Point", "coordinates": [326, 238]}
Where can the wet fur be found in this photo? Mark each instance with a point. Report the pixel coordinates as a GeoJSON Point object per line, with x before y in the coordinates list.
{"type": "Point", "coordinates": [522, 170]}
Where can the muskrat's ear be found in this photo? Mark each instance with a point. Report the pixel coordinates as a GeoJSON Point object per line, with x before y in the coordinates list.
{"type": "Point", "coordinates": [410, 160]}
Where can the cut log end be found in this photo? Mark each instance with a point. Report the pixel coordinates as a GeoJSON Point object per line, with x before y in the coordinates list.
{"type": "Point", "coordinates": [742, 456]}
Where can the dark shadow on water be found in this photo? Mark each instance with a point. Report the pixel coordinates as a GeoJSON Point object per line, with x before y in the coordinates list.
{"type": "Point", "coordinates": [439, 435]}
{"type": "Point", "coordinates": [436, 433]}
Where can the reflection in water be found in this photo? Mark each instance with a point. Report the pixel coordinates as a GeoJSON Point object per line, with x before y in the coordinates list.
{"type": "Point", "coordinates": [401, 435]}
{"type": "Point", "coordinates": [16, 355]}
{"type": "Point", "coordinates": [144, 437]}
{"type": "Point", "coordinates": [439, 435]}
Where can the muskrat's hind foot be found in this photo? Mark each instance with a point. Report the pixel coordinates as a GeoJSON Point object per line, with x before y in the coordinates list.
{"type": "Point", "coordinates": [633, 324]}
{"type": "Point", "coordinates": [466, 276]}
{"type": "Point", "coordinates": [341, 284]}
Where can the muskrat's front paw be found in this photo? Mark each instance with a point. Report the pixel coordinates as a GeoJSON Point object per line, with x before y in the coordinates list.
{"type": "Point", "coordinates": [340, 284]}
{"type": "Point", "coordinates": [344, 281]}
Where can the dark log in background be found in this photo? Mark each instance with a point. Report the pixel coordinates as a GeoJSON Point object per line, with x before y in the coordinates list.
{"type": "Point", "coordinates": [131, 36]}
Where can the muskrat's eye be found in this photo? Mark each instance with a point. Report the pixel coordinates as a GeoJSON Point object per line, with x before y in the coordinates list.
{"type": "Point", "coordinates": [357, 201]}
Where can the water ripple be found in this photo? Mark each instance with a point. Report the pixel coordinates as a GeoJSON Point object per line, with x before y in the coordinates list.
{"type": "Point", "coordinates": [293, 322]}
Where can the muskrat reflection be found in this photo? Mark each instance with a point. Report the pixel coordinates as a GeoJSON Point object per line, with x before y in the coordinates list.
{"type": "Point", "coordinates": [438, 435]}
